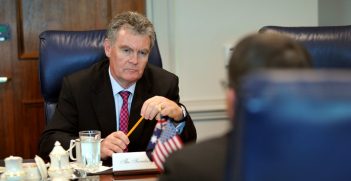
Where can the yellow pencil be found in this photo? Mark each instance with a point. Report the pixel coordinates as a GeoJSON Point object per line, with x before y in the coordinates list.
{"type": "Point", "coordinates": [135, 125]}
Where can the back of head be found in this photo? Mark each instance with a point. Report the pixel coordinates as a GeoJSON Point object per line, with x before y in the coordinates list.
{"type": "Point", "coordinates": [268, 51]}
{"type": "Point", "coordinates": [133, 21]}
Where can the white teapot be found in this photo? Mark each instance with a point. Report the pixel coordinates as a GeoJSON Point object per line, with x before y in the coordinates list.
{"type": "Point", "coordinates": [59, 162]}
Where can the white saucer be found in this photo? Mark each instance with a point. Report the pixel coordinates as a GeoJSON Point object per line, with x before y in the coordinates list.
{"type": "Point", "coordinates": [42, 167]}
{"type": "Point", "coordinates": [101, 168]}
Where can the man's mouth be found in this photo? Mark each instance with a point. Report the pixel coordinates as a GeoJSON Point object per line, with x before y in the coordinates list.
{"type": "Point", "coordinates": [131, 70]}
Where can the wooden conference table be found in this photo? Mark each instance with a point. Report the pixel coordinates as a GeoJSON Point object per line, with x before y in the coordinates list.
{"type": "Point", "coordinates": [148, 177]}
{"type": "Point", "coordinates": [108, 175]}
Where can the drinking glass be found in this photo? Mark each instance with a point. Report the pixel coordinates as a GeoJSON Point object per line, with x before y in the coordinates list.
{"type": "Point", "coordinates": [90, 149]}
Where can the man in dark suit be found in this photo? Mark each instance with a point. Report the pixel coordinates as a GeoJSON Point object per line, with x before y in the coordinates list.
{"type": "Point", "coordinates": [91, 99]}
{"type": "Point", "coordinates": [207, 160]}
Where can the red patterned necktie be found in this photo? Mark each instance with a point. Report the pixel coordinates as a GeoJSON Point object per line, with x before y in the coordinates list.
{"type": "Point", "coordinates": [124, 115]}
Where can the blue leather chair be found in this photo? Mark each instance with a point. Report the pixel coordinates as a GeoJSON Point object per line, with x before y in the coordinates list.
{"type": "Point", "coordinates": [329, 46]}
{"type": "Point", "coordinates": [64, 52]}
{"type": "Point", "coordinates": [293, 126]}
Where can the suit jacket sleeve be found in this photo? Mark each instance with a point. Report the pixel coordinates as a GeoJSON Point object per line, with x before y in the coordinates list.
{"type": "Point", "coordinates": [155, 82]}
{"type": "Point", "coordinates": [170, 82]}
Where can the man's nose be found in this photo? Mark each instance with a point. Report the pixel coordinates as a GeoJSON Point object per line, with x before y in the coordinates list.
{"type": "Point", "coordinates": [134, 58]}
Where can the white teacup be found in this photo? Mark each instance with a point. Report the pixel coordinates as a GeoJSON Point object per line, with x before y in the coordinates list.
{"type": "Point", "coordinates": [32, 171]}
{"type": "Point", "coordinates": [13, 168]}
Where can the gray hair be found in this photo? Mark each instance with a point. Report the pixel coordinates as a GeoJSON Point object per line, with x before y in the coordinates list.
{"type": "Point", "coordinates": [133, 21]}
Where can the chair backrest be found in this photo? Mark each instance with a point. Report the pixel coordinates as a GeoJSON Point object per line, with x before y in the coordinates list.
{"type": "Point", "coordinates": [64, 52]}
{"type": "Point", "coordinates": [293, 126]}
{"type": "Point", "coordinates": [329, 46]}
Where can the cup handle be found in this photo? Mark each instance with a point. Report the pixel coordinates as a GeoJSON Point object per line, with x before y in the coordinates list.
{"type": "Point", "coordinates": [72, 144]}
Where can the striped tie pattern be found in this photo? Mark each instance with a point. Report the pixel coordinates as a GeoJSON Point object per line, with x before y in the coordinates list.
{"type": "Point", "coordinates": [124, 115]}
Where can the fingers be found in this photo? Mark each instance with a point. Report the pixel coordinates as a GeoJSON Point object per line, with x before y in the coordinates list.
{"type": "Point", "coordinates": [116, 142]}
{"type": "Point", "coordinates": [158, 106]}
{"type": "Point", "coordinates": [151, 107]}
{"type": "Point", "coordinates": [173, 111]}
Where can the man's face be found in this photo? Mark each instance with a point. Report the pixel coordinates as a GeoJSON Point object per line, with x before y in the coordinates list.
{"type": "Point", "coordinates": [128, 56]}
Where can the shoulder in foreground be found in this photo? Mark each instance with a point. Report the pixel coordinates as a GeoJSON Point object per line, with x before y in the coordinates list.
{"type": "Point", "coordinates": [201, 161]}
{"type": "Point", "coordinates": [213, 146]}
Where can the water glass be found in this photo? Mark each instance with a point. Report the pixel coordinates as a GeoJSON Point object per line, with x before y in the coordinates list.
{"type": "Point", "coordinates": [90, 149]}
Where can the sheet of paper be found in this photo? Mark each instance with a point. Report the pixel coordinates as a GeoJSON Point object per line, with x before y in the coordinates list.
{"type": "Point", "coordinates": [131, 161]}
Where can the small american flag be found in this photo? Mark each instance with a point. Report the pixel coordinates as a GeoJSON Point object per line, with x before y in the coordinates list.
{"type": "Point", "coordinates": [163, 142]}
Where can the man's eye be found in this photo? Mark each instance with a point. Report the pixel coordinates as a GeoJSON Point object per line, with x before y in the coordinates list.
{"type": "Point", "coordinates": [126, 50]}
{"type": "Point", "coordinates": [143, 53]}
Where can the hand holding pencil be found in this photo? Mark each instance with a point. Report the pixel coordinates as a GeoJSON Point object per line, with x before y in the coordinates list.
{"type": "Point", "coordinates": [116, 142]}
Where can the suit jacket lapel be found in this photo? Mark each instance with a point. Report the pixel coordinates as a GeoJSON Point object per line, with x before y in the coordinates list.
{"type": "Point", "coordinates": [103, 101]}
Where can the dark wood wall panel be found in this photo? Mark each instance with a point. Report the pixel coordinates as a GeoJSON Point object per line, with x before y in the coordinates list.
{"type": "Point", "coordinates": [32, 110]}
{"type": "Point", "coordinates": [6, 113]}
{"type": "Point", "coordinates": [39, 15]}
{"type": "Point", "coordinates": [7, 54]}
{"type": "Point", "coordinates": [21, 104]}
{"type": "Point", "coordinates": [35, 16]}
{"type": "Point", "coordinates": [118, 6]}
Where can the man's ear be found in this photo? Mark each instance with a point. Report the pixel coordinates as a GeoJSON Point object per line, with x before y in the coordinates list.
{"type": "Point", "coordinates": [231, 99]}
{"type": "Point", "coordinates": [107, 47]}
